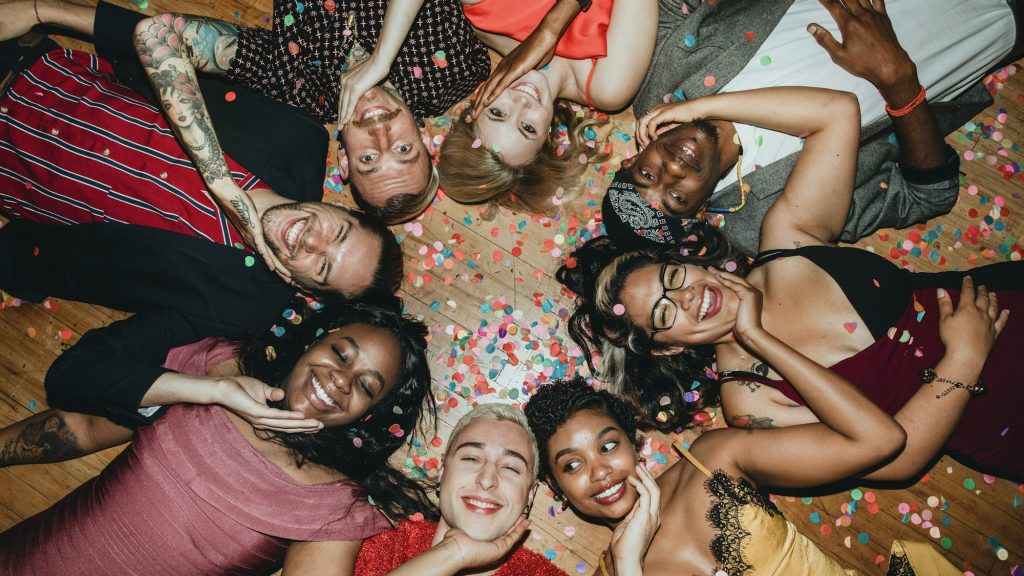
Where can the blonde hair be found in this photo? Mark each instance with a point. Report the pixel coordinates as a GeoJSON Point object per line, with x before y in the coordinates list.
{"type": "Point", "coordinates": [497, 411]}
{"type": "Point", "coordinates": [478, 176]}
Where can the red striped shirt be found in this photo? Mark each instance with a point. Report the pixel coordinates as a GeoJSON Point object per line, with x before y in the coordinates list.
{"type": "Point", "coordinates": [76, 147]}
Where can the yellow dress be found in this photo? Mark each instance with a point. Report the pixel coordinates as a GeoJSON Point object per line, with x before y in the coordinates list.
{"type": "Point", "coordinates": [753, 538]}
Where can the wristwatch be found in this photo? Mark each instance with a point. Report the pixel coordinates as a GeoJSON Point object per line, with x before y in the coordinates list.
{"type": "Point", "coordinates": [928, 375]}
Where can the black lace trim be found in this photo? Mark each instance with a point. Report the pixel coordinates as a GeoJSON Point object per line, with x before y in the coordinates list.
{"type": "Point", "coordinates": [899, 565]}
{"type": "Point", "coordinates": [727, 497]}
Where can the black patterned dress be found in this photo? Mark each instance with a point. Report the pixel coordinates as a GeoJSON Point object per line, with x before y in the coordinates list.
{"type": "Point", "coordinates": [298, 62]}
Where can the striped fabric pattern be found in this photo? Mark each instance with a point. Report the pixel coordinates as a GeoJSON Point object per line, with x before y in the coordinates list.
{"type": "Point", "coordinates": [76, 146]}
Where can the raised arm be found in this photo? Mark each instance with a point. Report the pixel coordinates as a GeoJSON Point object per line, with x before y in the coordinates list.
{"type": "Point", "coordinates": [968, 332]}
{"type": "Point", "coordinates": [172, 48]}
{"type": "Point", "coordinates": [532, 53]}
{"type": "Point", "coordinates": [398, 20]}
{"type": "Point", "coordinates": [854, 434]}
{"type": "Point", "coordinates": [870, 50]}
{"type": "Point", "coordinates": [814, 204]}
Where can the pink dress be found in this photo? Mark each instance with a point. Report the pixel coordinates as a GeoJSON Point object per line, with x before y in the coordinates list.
{"type": "Point", "coordinates": [190, 495]}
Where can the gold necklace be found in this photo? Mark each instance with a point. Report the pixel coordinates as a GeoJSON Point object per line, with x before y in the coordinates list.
{"type": "Point", "coordinates": [744, 188]}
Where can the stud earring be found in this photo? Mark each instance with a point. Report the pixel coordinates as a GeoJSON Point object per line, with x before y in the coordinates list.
{"type": "Point", "coordinates": [437, 488]}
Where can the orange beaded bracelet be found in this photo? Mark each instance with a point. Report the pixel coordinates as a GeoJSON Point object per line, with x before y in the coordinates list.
{"type": "Point", "coordinates": [908, 108]}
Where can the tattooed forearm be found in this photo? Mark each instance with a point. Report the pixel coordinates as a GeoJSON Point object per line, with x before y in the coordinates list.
{"type": "Point", "coordinates": [169, 48]}
{"type": "Point", "coordinates": [751, 421]}
{"type": "Point", "coordinates": [42, 438]}
{"type": "Point", "coordinates": [209, 45]}
{"type": "Point", "coordinates": [242, 209]}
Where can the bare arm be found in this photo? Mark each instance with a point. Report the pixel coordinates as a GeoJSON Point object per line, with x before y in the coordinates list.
{"type": "Point", "coordinates": [854, 434]}
{"type": "Point", "coordinates": [55, 436]}
{"type": "Point", "coordinates": [813, 207]}
{"type": "Point", "coordinates": [243, 395]}
{"type": "Point", "coordinates": [532, 53]}
{"type": "Point", "coordinates": [870, 50]}
{"type": "Point", "coordinates": [398, 20]}
{"type": "Point", "coordinates": [933, 412]}
{"type": "Point", "coordinates": [172, 48]}
{"type": "Point", "coordinates": [322, 558]}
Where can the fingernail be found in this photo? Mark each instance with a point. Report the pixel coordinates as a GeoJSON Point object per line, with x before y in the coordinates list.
{"type": "Point", "coordinates": [812, 28]}
{"type": "Point", "coordinates": [940, 293]}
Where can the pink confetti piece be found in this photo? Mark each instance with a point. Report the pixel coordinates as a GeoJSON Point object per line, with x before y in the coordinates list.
{"type": "Point", "coordinates": [619, 309]}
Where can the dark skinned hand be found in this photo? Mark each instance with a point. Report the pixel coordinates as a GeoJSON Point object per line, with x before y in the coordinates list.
{"type": "Point", "coordinates": [533, 53]}
{"type": "Point", "coordinates": [870, 49]}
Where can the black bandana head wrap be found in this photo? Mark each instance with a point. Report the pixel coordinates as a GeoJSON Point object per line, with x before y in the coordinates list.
{"type": "Point", "coordinates": [632, 223]}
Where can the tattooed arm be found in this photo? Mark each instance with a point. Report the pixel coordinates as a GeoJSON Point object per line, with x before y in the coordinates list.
{"type": "Point", "coordinates": [55, 436]}
{"type": "Point", "coordinates": [172, 48]}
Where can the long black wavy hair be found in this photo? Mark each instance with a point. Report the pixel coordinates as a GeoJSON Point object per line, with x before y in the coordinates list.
{"type": "Point", "coordinates": [554, 403]}
{"type": "Point", "coordinates": [665, 390]}
{"type": "Point", "coordinates": [362, 450]}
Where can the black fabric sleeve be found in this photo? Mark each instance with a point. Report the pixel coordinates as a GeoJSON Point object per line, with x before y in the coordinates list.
{"type": "Point", "coordinates": [110, 369]}
{"type": "Point", "coordinates": [182, 288]}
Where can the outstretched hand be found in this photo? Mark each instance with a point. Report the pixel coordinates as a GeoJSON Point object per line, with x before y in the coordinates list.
{"type": "Point", "coordinates": [355, 82]}
{"type": "Point", "coordinates": [472, 553]}
{"type": "Point", "coordinates": [870, 49]}
{"type": "Point", "coordinates": [248, 398]}
{"type": "Point", "coordinates": [632, 537]}
{"type": "Point", "coordinates": [531, 54]}
{"type": "Point", "coordinates": [970, 330]}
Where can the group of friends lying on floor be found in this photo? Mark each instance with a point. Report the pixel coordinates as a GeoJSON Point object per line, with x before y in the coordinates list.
{"type": "Point", "coordinates": [178, 176]}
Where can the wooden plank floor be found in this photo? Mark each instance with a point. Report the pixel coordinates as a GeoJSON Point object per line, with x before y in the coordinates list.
{"type": "Point", "coordinates": [496, 315]}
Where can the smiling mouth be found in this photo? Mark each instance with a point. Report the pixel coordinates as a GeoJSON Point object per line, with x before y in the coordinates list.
{"type": "Point", "coordinates": [528, 89]}
{"type": "Point", "coordinates": [708, 304]}
{"type": "Point", "coordinates": [321, 393]}
{"type": "Point", "coordinates": [291, 235]}
{"type": "Point", "coordinates": [481, 506]}
{"type": "Point", "coordinates": [611, 494]}
{"type": "Point", "coordinates": [686, 153]}
{"type": "Point", "coordinates": [373, 112]}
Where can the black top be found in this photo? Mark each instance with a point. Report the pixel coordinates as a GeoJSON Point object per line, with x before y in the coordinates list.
{"type": "Point", "coordinates": [182, 289]}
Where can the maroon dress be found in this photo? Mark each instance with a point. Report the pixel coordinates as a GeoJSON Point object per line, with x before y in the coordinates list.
{"type": "Point", "coordinates": [900, 310]}
{"type": "Point", "coordinates": [190, 495]}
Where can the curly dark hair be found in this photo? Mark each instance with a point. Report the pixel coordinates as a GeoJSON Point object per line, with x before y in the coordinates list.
{"type": "Point", "coordinates": [556, 402]}
{"type": "Point", "coordinates": [666, 390]}
{"type": "Point", "coordinates": [360, 451]}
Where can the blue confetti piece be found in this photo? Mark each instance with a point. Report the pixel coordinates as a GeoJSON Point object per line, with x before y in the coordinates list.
{"type": "Point", "coordinates": [32, 405]}
{"type": "Point", "coordinates": [300, 7]}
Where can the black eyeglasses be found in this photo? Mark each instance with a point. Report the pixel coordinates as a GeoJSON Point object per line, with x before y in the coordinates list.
{"type": "Point", "coordinates": [663, 314]}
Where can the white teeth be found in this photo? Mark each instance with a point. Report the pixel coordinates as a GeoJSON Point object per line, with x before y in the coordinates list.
{"type": "Point", "coordinates": [375, 112]}
{"type": "Point", "coordinates": [481, 504]}
{"type": "Point", "coordinates": [609, 491]}
{"type": "Point", "coordinates": [321, 393]}
{"type": "Point", "coordinates": [688, 152]}
{"type": "Point", "coordinates": [293, 235]}
{"type": "Point", "coordinates": [528, 90]}
{"type": "Point", "coordinates": [705, 304]}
